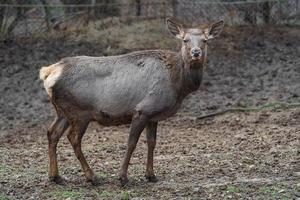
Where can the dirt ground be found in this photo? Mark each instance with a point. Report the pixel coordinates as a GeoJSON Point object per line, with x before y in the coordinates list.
{"type": "Point", "coordinates": [234, 156]}
{"type": "Point", "coordinates": [237, 155]}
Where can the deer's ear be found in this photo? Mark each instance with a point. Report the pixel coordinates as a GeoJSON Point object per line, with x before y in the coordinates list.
{"type": "Point", "coordinates": [174, 28]}
{"type": "Point", "coordinates": [215, 29]}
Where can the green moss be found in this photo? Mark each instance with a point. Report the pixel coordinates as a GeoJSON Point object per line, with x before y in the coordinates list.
{"type": "Point", "coordinates": [4, 197]}
{"type": "Point", "coordinates": [5, 169]}
{"type": "Point", "coordinates": [64, 194]}
{"type": "Point", "coordinates": [232, 189]}
{"type": "Point", "coordinates": [124, 195]}
{"type": "Point", "coordinates": [278, 191]}
{"type": "Point", "coordinates": [104, 194]}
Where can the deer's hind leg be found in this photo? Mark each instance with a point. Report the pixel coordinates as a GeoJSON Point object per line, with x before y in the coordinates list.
{"type": "Point", "coordinates": [54, 133]}
{"type": "Point", "coordinates": [75, 135]}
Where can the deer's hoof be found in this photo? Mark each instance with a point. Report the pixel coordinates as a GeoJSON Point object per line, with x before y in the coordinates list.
{"type": "Point", "coordinates": [95, 180]}
{"type": "Point", "coordinates": [124, 181]}
{"type": "Point", "coordinates": [57, 179]}
{"type": "Point", "coordinates": [151, 178]}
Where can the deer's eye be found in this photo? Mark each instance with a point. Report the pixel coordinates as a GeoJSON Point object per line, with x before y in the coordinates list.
{"type": "Point", "coordinates": [204, 41]}
{"type": "Point", "coordinates": [186, 40]}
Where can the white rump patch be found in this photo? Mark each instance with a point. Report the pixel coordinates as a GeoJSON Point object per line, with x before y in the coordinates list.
{"type": "Point", "coordinates": [56, 71]}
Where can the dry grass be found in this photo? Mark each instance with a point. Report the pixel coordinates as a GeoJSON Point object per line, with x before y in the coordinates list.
{"type": "Point", "coordinates": [139, 35]}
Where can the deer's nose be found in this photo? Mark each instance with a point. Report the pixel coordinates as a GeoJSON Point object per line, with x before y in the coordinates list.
{"type": "Point", "coordinates": [196, 52]}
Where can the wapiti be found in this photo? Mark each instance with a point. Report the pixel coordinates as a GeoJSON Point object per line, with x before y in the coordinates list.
{"type": "Point", "coordinates": [141, 88]}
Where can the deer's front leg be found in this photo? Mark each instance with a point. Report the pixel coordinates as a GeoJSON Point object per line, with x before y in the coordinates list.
{"type": "Point", "coordinates": [151, 129]}
{"type": "Point", "coordinates": [138, 124]}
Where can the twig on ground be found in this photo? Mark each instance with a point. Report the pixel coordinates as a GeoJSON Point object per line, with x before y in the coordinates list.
{"type": "Point", "coordinates": [276, 106]}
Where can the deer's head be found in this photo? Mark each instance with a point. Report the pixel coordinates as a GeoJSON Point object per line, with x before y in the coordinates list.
{"type": "Point", "coordinates": [194, 40]}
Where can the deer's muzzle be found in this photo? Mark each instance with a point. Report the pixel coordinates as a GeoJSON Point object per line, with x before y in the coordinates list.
{"type": "Point", "coordinates": [196, 53]}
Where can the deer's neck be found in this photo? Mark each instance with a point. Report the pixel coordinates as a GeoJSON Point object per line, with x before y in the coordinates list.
{"type": "Point", "coordinates": [192, 76]}
{"type": "Point", "coordinates": [186, 76]}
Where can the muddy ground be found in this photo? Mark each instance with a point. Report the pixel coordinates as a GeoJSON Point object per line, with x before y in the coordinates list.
{"type": "Point", "coordinates": [234, 156]}
{"type": "Point", "coordinates": [249, 155]}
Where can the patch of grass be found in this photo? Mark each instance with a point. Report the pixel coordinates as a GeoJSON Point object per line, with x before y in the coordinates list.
{"type": "Point", "coordinates": [280, 105]}
{"type": "Point", "coordinates": [271, 106]}
{"type": "Point", "coordinates": [4, 169]}
{"type": "Point", "coordinates": [64, 194]}
{"type": "Point", "coordinates": [102, 175]}
{"type": "Point", "coordinates": [3, 197]}
{"type": "Point", "coordinates": [119, 38]}
{"type": "Point", "coordinates": [115, 177]}
{"type": "Point", "coordinates": [104, 194]}
{"type": "Point", "coordinates": [124, 195]}
{"type": "Point", "coordinates": [138, 35]}
{"type": "Point", "coordinates": [269, 191]}
{"type": "Point", "coordinates": [232, 189]}
{"type": "Point", "coordinates": [276, 192]}
{"type": "Point", "coordinates": [138, 168]}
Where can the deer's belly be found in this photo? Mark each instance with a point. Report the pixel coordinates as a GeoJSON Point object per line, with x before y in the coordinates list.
{"type": "Point", "coordinates": [109, 120]}
{"type": "Point", "coordinates": [166, 113]}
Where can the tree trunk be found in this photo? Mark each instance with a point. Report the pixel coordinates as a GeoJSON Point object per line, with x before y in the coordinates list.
{"type": "Point", "coordinates": [138, 7]}
{"type": "Point", "coordinates": [266, 9]}
{"type": "Point", "coordinates": [174, 6]}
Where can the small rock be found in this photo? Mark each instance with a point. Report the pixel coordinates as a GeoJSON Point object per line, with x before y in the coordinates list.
{"type": "Point", "coordinates": [10, 118]}
{"type": "Point", "coordinates": [223, 187]}
{"type": "Point", "coordinates": [297, 174]}
{"type": "Point", "coordinates": [251, 166]}
{"type": "Point", "coordinates": [240, 136]}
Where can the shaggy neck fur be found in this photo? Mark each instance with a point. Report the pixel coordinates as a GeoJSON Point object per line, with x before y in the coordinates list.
{"type": "Point", "coordinates": [186, 75]}
{"type": "Point", "coordinates": [192, 74]}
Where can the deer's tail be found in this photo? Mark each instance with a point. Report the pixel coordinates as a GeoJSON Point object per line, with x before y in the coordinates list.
{"type": "Point", "coordinates": [46, 71]}
{"type": "Point", "coordinates": [50, 75]}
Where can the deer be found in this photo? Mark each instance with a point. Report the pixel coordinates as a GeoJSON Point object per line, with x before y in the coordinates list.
{"type": "Point", "coordinates": [140, 88]}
